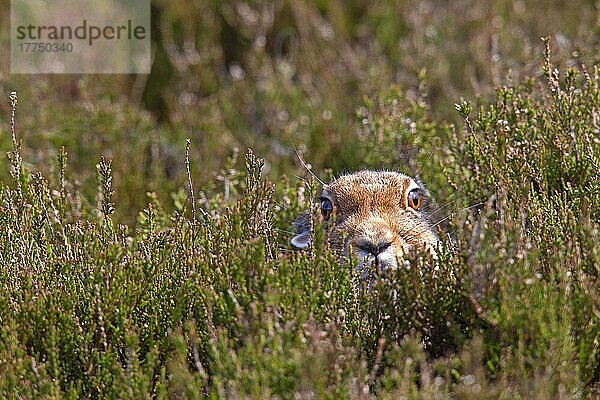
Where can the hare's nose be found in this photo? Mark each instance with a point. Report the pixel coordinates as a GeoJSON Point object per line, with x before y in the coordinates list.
{"type": "Point", "coordinates": [373, 248]}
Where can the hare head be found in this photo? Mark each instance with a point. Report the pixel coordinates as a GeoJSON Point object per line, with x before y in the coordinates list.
{"type": "Point", "coordinates": [375, 216]}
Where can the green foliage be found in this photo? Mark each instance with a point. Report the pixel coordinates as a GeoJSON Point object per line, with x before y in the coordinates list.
{"type": "Point", "coordinates": [118, 279]}
{"type": "Point", "coordinates": [213, 303]}
{"type": "Point", "coordinates": [533, 159]}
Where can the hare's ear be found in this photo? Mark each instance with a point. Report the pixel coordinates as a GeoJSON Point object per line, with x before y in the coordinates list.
{"type": "Point", "coordinates": [303, 234]}
{"type": "Point", "coordinates": [301, 240]}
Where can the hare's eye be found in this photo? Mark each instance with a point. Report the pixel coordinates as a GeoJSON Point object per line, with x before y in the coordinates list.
{"type": "Point", "coordinates": [414, 199]}
{"type": "Point", "coordinates": [326, 208]}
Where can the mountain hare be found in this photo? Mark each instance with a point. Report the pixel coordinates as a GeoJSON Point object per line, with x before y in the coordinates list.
{"type": "Point", "coordinates": [376, 216]}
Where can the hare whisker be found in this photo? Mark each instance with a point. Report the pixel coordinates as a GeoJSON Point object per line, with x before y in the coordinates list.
{"type": "Point", "coordinates": [440, 208]}
{"type": "Point", "coordinates": [306, 166]}
{"type": "Point", "coordinates": [462, 210]}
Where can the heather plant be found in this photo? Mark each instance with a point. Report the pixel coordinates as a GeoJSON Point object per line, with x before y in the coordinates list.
{"type": "Point", "coordinates": [203, 296]}
{"type": "Point", "coordinates": [533, 159]}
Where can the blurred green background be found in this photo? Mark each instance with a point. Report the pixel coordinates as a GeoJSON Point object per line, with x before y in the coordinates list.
{"type": "Point", "coordinates": [272, 75]}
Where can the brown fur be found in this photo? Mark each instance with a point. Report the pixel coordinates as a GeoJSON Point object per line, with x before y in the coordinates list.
{"type": "Point", "coordinates": [371, 211]}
